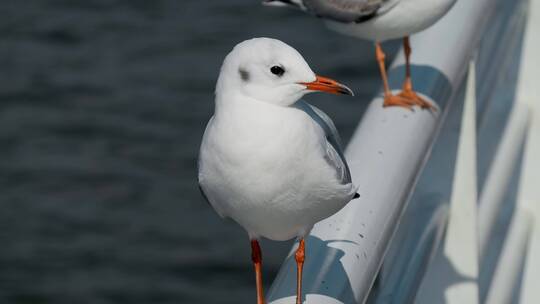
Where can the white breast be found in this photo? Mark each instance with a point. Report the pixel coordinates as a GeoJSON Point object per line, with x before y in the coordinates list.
{"type": "Point", "coordinates": [263, 166]}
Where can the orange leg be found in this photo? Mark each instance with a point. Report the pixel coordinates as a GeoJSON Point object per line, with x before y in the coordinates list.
{"type": "Point", "coordinates": [389, 99]}
{"type": "Point", "coordinates": [256, 257]}
{"type": "Point", "coordinates": [300, 257]}
{"type": "Point", "coordinates": [408, 92]}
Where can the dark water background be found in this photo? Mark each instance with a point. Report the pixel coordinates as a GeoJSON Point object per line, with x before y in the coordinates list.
{"type": "Point", "coordinates": [102, 107]}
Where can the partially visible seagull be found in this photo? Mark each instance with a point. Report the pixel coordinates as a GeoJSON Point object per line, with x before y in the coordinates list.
{"type": "Point", "coordinates": [269, 161]}
{"type": "Point", "coordinates": [379, 20]}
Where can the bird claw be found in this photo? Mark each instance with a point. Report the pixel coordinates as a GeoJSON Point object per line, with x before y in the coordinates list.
{"type": "Point", "coordinates": [415, 100]}
{"type": "Point", "coordinates": [398, 101]}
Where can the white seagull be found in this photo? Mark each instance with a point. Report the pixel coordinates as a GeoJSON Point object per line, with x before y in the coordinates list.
{"type": "Point", "coordinates": [269, 161]}
{"type": "Point", "coordinates": [379, 20]}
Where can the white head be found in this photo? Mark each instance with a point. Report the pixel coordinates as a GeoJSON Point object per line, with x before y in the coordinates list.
{"type": "Point", "coordinates": [271, 71]}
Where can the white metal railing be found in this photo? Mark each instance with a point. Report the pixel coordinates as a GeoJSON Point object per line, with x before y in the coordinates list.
{"type": "Point", "coordinates": [386, 155]}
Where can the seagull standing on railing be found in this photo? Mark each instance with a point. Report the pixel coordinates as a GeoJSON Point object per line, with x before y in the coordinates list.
{"type": "Point", "coordinates": [379, 20]}
{"type": "Point", "coordinates": [270, 162]}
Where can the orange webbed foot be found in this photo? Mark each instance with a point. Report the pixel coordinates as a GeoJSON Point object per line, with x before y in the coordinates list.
{"type": "Point", "coordinates": [415, 100]}
{"type": "Point", "coordinates": [398, 101]}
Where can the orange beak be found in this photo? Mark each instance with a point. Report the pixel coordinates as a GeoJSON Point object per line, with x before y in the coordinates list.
{"type": "Point", "coordinates": [328, 85]}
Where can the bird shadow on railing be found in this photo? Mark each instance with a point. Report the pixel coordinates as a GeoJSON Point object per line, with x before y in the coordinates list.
{"type": "Point", "coordinates": [330, 273]}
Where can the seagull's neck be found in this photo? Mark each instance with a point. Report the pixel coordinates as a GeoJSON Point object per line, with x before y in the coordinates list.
{"type": "Point", "coordinates": [234, 107]}
{"type": "Point", "coordinates": [234, 100]}
{"type": "Point", "coordinates": [230, 100]}
{"type": "Point", "coordinates": [247, 114]}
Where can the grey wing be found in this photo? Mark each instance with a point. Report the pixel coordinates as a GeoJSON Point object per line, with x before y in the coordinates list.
{"type": "Point", "coordinates": [334, 152]}
{"type": "Point", "coordinates": [348, 11]}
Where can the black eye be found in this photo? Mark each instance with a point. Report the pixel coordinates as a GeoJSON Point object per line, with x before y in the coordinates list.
{"type": "Point", "coordinates": [277, 70]}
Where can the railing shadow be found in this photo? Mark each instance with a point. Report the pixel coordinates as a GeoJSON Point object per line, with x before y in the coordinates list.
{"type": "Point", "coordinates": [323, 273]}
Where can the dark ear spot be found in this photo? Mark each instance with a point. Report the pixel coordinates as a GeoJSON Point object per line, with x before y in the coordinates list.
{"type": "Point", "coordinates": [243, 74]}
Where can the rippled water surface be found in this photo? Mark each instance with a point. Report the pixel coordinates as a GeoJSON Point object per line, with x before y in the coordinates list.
{"type": "Point", "coordinates": [102, 107]}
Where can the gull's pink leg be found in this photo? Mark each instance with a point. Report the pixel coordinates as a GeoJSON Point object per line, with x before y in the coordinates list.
{"type": "Point", "coordinates": [300, 257]}
{"type": "Point", "coordinates": [408, 92]}
{"type": "Point", "coordinates": [389, 99]}
{"type": "Point", "coordinates": [256, 257]}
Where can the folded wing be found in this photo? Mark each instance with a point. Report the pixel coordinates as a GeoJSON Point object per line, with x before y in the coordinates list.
{"type": "Point", "coordinates": [334, 152]}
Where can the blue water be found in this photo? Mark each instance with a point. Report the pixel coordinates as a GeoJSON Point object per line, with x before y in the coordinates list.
{"type": "Point", "coordinates": [102, 107]}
